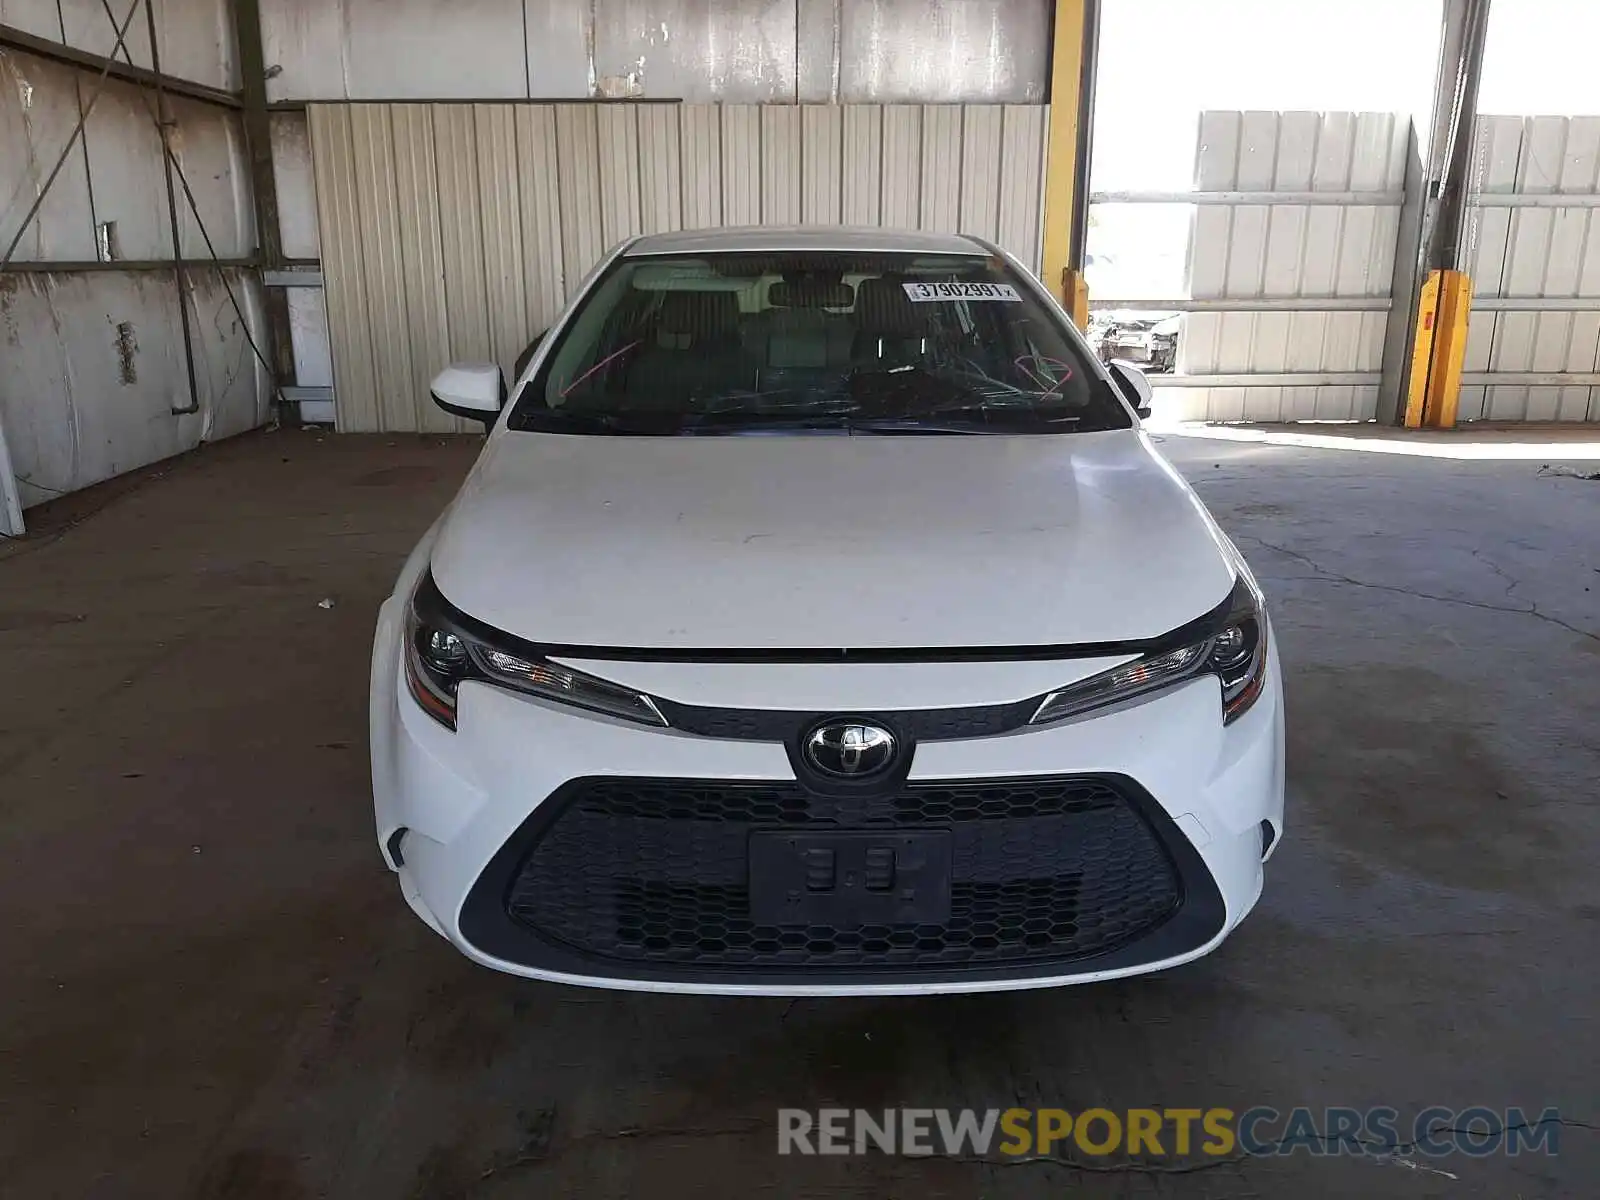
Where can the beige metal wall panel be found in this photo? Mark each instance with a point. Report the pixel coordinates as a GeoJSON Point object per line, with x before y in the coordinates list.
{"type": "Point", "coordinates": [455, 231]}
{"type": "Point", "coordinates": [618, 131]}
{"type": "Point", "coordinates": [578, 169]}
{"type": "Point", "coordinates": [461, 232]}
{"type": "Point", "coordinates": [861, 179]}
{"type": "Point", "coordinates": [780, 164]}
{"type": "Point", "coordinates": [1289, 250]}
{"type": "Point", "coordinates": [500, 202]}
{"type": "Point", "coordinates": [422, 280]}
{"type": "Point", "coordinates": [344, 279]}
{"type": "Point", "coordinates": [741, 164]}
{"type": "Point", "coordinates": [821, 164]}
{"type": "Point", "coordinates": [700, 147]}
{"type": "Point", "coordinates": [660, 166]}
{"type": "Point", "coordinates": [980, 173]}
{"type": "Point", "coordinates": [1534, 253]}
{"type": "Point", "coordinates": [941, 168]}
{"type": "Point", "coordinates": [545, 285]}
{"type": "Point", "coordinates": [378, 215]}
{"type": "Point", "coordinates": [902, 166]}
{"type": "Point", "coordinates": [1022, 182]}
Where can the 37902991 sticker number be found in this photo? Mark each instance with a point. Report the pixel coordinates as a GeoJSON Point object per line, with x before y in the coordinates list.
{"type": "Point", "coordinates": [924, 292]}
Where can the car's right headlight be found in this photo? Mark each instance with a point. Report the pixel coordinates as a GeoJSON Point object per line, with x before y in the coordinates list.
{"type": "Point", "coordinates": [1232, 646]}
{"type": "Point", "coordinates": [444, 650]}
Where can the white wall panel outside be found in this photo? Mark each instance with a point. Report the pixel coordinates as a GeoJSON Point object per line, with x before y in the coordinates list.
{"type": "Point", "coordinates": [458, 231]}
{"type": "Point", "coordinates": [1290, 250]}
{"type": "Point", "coordinates": [1534, 252]}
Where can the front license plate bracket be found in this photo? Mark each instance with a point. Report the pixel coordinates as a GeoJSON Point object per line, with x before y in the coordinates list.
{"type": "Point", "coordinates": [848, 879]}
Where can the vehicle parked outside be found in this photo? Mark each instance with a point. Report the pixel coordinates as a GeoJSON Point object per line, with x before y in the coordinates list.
{"type": "Point", "coordinates": [1149, 340]}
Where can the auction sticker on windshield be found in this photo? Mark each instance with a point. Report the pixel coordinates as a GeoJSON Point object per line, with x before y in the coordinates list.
{"type": "Point", "coordinates": [961, 291]}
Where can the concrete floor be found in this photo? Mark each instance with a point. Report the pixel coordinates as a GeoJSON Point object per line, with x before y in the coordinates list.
{"type": "Point", "coordinates": [211, 988]}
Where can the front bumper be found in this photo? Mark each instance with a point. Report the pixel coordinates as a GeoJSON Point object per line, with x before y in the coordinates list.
{"type": "Point", "coordinates": [474, 804]}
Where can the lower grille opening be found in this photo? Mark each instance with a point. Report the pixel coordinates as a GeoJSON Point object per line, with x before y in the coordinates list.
{"type": "Point", "coordinates": [656, 875]}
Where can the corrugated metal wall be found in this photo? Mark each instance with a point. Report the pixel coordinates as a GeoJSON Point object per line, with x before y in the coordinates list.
{"type": "Point", "coordinates": [1528, 252]}
{"type": "Point", "coordinates": [453, 231]}
{"type": "Point", "coordinates": [1291, 250]}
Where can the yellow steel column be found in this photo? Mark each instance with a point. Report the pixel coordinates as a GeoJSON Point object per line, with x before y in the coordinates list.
{"type": "Point", "coordinates": [1065, 177]}
{"type": "Point", "coordinates": [1439, 351]}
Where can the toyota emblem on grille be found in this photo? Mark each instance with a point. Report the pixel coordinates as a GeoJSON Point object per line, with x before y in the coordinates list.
{"type": "Point", "coordinates": [850, 751]}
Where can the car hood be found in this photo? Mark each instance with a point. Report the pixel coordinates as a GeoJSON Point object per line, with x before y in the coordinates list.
{"type": "Point", "coordinates": [797, 541]}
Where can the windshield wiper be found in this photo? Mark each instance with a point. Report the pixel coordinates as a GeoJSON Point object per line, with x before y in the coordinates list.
{"type": "Point", "coordinates": [726, 423]}
{"type": "Point", "coordinates": [971, 418]}
{"type": "Point", "coordinates": [893, 425]}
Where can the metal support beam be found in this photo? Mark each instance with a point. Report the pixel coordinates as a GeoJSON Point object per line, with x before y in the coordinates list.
{"type": "Point", "coordinates": [1316, 304]}
{"type": "Point", "coordinates": [15, 39]}
{"type": "Point", "coordinates": [123, 266]}
{"type": "Point", "coordinates": [1073, 47]}
{"type": "Point", "coordinates": [293, 277]}
{"type": "Point", "coordinates": [1531, 378]}
{"type": "Point", "coordinates": [1536, 304]}
{"type": "Point", "coordinates": [1534, 200]}
{"type": "Point", "coordinates": [1270, 379]}
{"type": "Point", "coordinates": [1438, 342]}
{"type": "Point", "coordinates": [264, 189]}
{"type": "Point", "coordinates": [1230, 199]}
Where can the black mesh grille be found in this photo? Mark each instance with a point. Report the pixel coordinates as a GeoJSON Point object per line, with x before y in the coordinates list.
{"type": "Point", "coordinates": [657, 872]}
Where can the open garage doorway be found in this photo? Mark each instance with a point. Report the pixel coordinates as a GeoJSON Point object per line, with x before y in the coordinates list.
{"type": "Point", "coordinates": [1277, 282]}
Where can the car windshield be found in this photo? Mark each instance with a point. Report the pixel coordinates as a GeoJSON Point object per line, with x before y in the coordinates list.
{"type": "Point", "coordinates": [853, 342]}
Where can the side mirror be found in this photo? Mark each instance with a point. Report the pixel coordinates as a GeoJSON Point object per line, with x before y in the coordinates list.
{"type": "Point", "coordinates": [476, 391]}
{"type": "Point", "coordinates": [1131, 380]}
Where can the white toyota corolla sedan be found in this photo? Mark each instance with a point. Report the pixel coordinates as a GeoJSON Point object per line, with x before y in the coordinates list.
{"type": "Point", "coordinates": [817, 620]}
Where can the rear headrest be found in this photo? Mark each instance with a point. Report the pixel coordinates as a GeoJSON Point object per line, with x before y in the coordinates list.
{"type": "Point", "coordinates": [693, 316]}
{"type": "Point", "coordinates": [882, 307]}
{"type": "Point", "coordinates": [810, 293]}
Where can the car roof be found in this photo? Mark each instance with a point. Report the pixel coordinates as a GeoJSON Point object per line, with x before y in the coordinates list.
{"type": "Point", "coordinates": [804, 237]}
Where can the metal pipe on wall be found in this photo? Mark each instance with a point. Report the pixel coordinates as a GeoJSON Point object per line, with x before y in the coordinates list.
{"type": "Point", "coordinates": [181, 281]}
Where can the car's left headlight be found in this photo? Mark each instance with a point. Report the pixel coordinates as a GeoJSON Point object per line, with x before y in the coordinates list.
{"type": "Point", "coordinates": [1232, 646]}
{"type": "Point", "coordinates": [444, 650]}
